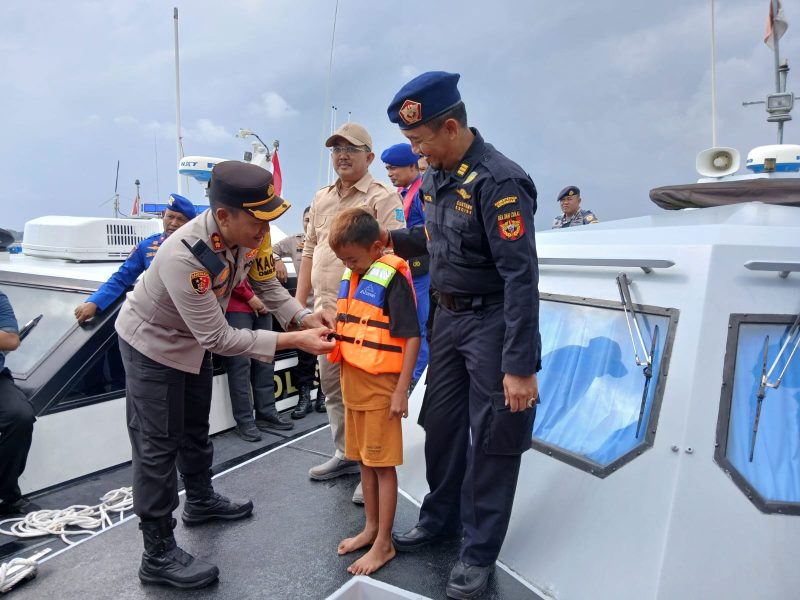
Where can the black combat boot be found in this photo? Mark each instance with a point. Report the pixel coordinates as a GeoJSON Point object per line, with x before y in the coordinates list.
{"type": "Point", "coordinates": [204, 504]}
{"type": "Point", "coordinates": [319, 405]}
{"type": "Point", "coordinates": [165, 563]}
{"type": "Point", "coordinates": [303, 404]}
{"type": "Point", "coordinates": [270, 419]}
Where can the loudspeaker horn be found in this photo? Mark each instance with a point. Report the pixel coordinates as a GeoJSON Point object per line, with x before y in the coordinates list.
{"type": "Point", "coordinates": [718, 162]}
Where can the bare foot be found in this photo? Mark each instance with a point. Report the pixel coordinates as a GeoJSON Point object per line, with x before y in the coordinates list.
{"type": "Point", "coordinates": [362, 540]}
{"type": "Point", "coordinates": [372, 560]}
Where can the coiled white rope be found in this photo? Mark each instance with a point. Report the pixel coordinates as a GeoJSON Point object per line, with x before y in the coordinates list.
{"type": "Point", "coordinates": [19, 569]}
{"type": "Point", "coordinates": [85, 518]}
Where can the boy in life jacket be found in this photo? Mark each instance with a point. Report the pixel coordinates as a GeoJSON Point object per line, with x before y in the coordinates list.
{"type": "Point", "coordinates": [378, 338]}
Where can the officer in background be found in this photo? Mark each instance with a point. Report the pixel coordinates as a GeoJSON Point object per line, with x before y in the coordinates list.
{"type": "Point", "coordinates": [570, 200]}
{"type": "Point", "coordinates": [168, 326]}
{"type": "Point", "coordinates": [304, 372]}
{"type": "Point", "coordinates": [481, 390]}
{"type": "Point", "coordinates": [403, 169]}
{"type": "Point", "coordinates": [180, 212]}
{"type": "Point", "coordinates": [16, 421]}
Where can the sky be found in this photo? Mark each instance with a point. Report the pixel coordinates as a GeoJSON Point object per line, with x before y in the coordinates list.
{"type": "Point", "coordinates": [611, 96]}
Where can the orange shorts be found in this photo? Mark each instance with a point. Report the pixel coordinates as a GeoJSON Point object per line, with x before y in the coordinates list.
{"type": "Point", "coordinates": [371, 437]}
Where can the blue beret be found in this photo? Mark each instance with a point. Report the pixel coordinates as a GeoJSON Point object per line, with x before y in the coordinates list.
{"type": "Point", "coordinates": [182, 205]}
{"type": "Point", "coordinates": [424, 98]}
{"type": "Point", "coordinates": [570, 190]}
{"type": "Point", "coordinates": [399, 155]}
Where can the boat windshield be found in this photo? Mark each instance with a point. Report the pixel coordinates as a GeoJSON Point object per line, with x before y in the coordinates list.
{"type": "Point", "coordinates": [56, 307]}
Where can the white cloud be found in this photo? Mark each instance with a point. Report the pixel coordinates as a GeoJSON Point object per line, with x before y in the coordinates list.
{"type": "Point", "coordinates": [126, 120]}
{"type": "Point", "coordinates": [409, 71]}
{"type": "Point", "coordinates": [273, 106]}
{"type": "Point", "coordinates": [204, 131]}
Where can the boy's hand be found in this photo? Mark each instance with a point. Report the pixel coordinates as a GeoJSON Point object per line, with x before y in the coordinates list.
{"type": "Point", "coordinates": [399, 404]}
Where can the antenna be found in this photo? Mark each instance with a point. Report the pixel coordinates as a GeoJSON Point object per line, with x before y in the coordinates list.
{"type": "Point", "coordinates": [327, 98]}
{"type": "Point", "coordinates": [178, 103]}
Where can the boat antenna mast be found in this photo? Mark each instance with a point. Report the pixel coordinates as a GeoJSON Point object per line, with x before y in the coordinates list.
{"type": "Point", "coordinates": [780, 103]}
{"type": "Point", "coordinates": [179, 135]}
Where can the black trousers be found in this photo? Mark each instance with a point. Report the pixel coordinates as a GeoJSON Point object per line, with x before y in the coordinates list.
{"type": "Point", "coordinates": [16, 432]}
{"type": "Point", "coordinates": [473, 443]}
{"type": "Point", "coordinates": [304, 371]}
{"type": "Point", "coordinates": [167, 412]}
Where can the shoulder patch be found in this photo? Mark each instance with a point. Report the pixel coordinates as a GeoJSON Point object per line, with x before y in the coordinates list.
{"type": "Point", "coordinates": [462, 169]}
{"type": "Point", "coordinates": [504, 201]}
{"type": "Point", "coordinates": [471, 177]}
{"type": "Point", "coordinates": [510, 225]}
{"type": "Point", "coordinates": [200, 281]}
{"type": "Point", "coordinates": [399, 215]}
{"type": "Point", "coordinates": [427, 197]}
{"type": "Point", "coordinates": [216, 242]}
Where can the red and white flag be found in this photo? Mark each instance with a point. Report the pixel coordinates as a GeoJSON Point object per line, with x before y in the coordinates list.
{"type": "Point", "coordinates": [277, 179]}
{"type": "Point", "coordinates": [776, 23]}
{"type": "Point", "coordinates": [135, 210]}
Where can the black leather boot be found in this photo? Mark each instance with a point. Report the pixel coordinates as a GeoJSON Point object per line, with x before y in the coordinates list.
{"type": "Point", "coordinates": [163, 562]}
{"type": "Point", "coordinates": [204, 504]}
{"type": "Point", "coordinates": [319, 404]}
{"type": "Point", "coordinates": [270, 419]}
{"type": "Point", "coordinates": [303, 404]}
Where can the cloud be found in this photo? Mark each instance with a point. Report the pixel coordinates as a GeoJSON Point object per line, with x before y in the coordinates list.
{"type": "Point", "coordinates": [273, 106]}
{"type": "Point", "coordinates": [204, 131]}
{"type": "Point", "coordinates": [409, 71]}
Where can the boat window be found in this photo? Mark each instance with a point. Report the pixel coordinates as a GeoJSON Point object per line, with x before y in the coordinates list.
{"type": "Point", "coordinates": [102, 379]}
{"type": "Point", "coordinates": [58, 318]}
{"type": "Point", "coordinates": [593, 395]}
{"type": "Point", "coordinates": [759, 447]}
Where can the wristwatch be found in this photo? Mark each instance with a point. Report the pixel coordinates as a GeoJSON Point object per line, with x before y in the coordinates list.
{"type": "Point", "coordinates": [298, 320]}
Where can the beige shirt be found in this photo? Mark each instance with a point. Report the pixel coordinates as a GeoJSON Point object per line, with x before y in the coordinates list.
{"type": "Point", "coordinates": [381, 200]}
{"type": "Point", "coordinates": [292, 246]}
{"type": "Point", "coordinates": [176, 311]}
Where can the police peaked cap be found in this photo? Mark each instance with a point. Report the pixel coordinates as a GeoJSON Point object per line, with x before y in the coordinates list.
{"type": "Point", "coordinates": [182, 205]}
{"type": "Point", "coordinates": [399, 155]}
{"type": "Point", "coordinates": [570, 190]}
{"type": "Point", "coordinates": [248, 187]}
{"type": "Point", "coordinates": [425, 97]}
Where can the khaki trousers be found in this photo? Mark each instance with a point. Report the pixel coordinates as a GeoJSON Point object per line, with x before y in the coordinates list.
{"type": "Point", "coordinates": [332, 387]}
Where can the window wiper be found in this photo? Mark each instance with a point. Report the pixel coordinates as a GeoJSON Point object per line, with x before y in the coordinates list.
{"type": "Point", "coordinates": [630, 317]}
{"type": "Point", "coordinates": [794, 332]}
{"type": "Point", "coordinates": [26, 329]}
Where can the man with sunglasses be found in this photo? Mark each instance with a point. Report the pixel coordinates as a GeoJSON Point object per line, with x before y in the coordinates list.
{"type": "Point", "coordinates": [321, 270]}
{"type": "Point", "coordinates": [481, 387]}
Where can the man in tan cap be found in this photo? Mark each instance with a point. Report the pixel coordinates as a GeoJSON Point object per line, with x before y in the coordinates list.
{"type": "Point", "coordinates": [351, 147]}
{"type": "Point", "coordinates": [169, 325]}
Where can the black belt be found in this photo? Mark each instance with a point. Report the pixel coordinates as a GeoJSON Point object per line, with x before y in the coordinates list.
{"type": "Point", "coordinates": [462, 303]}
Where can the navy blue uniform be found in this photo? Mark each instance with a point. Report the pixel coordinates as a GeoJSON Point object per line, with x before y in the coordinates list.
{"type": "Point", "coordinates": [136, 264]}
{"type": "Point", "coordinates": [484, 271]}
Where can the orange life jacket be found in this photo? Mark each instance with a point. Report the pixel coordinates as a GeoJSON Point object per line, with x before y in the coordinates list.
{"type": "Point", "coordinates": [365, 340]}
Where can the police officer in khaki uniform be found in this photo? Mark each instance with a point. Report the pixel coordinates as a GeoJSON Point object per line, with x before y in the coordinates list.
{"type": "Point", "coordinates": [172, 320]}
{"type": "Point", "coordinates": [351, 146]}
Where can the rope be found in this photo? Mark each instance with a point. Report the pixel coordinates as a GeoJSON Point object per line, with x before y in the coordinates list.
{"type": "Point", "coordinates": [19, 569]}
{"type": "Point", "coordinates": [56, 522]}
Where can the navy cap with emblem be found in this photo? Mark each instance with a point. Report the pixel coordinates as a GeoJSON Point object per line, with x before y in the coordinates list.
{"type": "Point", "coordinates": [570, 190]}
{"type": "Point", "coordinates": [399, 155]}
{"type": "Point", "coordinates": [424, 98]}
{"type": "Point", "coordinates": [182, 205]}
{"type": "Point", "coordinates": [247, 186]}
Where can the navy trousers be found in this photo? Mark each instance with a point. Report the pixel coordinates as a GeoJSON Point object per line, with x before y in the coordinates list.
{"type": "Point", "coordinates": [167, 412]}
{"type": "Point", "coordinates": [473, 443]}
{"type": "Point", "coordinates": [16, 433]}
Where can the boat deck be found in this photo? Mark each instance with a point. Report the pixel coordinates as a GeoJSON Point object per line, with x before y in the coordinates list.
{"type": "Point", "coordinates": [286, 550]}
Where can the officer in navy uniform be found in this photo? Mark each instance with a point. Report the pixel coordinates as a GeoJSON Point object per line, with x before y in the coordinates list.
{"type": "Point", "coordinates": [481, 390]}
{"type": "Point", "coordinates": [572, 215]}
{"type": "Point", "coordinates": [179, 212]}
{"type": "Point", "coordinates": [168, 326]}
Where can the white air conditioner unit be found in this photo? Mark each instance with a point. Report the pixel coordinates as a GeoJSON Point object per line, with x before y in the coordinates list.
{"type": "Point", "coordinates": [86, 238]}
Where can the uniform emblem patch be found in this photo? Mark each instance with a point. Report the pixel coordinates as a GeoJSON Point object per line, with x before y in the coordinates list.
{"type": "Point", "coordinates": [200, 281]}
{"type": "Point", "coordinates": [462, 169]}
{"type": "Point", "coordinates": [464, 207]}
{"type": "Point", "coordinates": [252, 254]}
{"type": "Point", "coordinates": [504, 201]}
{"type": "Point", "coordinates": [463, 193]}
{"type": "Point", "coordinates": [427, 197]}
{"type": "Point", "coordinates": [471, 177]}
{"type": "Point", "coordinates": [410, 112]}
{"type": "Point", "coordinates": [399, 216]}
{"type": "Point", "coordinates": [510, 225]}
{"type": "Point", "coordinates": [216, 242]}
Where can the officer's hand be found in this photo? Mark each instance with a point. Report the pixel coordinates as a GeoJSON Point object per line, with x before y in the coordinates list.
{"type": "Point", "coordinates": [398, 406]}
{"type": "Point", "coordinates": [85, 311]}
{"type": "Point", "coordinates": [384, 236]}
{"type": "Point", "coordinates": [313, 341]}
{"type": "Point", "coordinates": [522, 391]}
{"type": "Point", "coordinates": [280, 271]}
{"type": "Point", "coordinates": [257, 305]}
{"type": "Point", "coordinates": [321, 318]}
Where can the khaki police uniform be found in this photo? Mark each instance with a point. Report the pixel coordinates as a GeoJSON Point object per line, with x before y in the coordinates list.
{"type": "Point", "coordinates": [170, 324]}
{"type": "Point", "coordinates": [385, 204]}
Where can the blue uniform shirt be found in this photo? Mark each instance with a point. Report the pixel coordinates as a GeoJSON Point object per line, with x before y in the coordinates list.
{"type": "Point", "coordinates": [136, 263]}
{"type": "Point", "coordinates": [416, 213]}
{"type": "Point", "coordinates": [8, 322]}
{"type": "Point", "coordinates": [479, 221]}
{"type": "Point", "coordinates": [582, 217]}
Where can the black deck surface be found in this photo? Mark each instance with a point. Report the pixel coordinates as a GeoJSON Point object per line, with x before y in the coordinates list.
{"type": "Point", "coordinates": [285, 551]}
